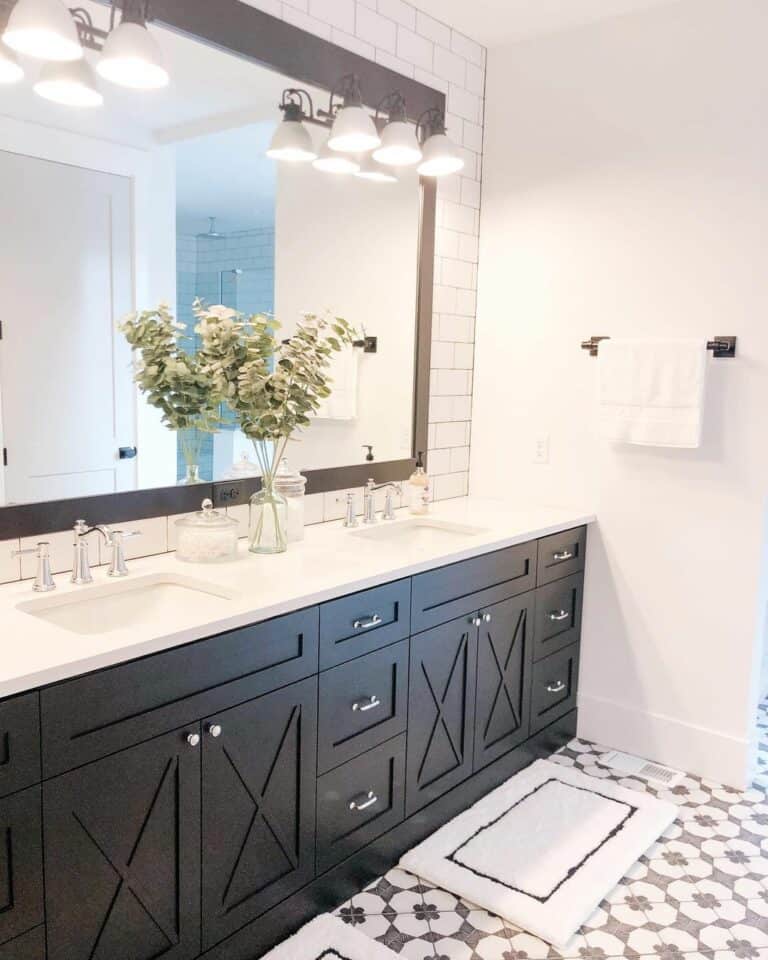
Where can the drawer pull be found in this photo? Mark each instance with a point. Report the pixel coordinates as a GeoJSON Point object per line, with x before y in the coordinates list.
{"type": "Point", "coordinates": [363, 706]}
{"type": "Point", "coordinates": [562, 555]}
{"type": "Point", "coordinates": [364, 801]}
{"type": "Point", "coordinates": [557, 687]}
{"type": "Point", "coordinates": [373, 621]}
{"type": "Point", "coordinates": [559, 615]}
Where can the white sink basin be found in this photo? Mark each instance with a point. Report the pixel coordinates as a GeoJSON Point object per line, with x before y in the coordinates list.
{"type": "Point", "coordinates": [421, 530]}
{"type": "Point", "coordinates": [129, 603]}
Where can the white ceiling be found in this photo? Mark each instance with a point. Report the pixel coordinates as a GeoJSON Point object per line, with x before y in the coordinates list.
{"type": "Point", "coordinates": [493, 22]}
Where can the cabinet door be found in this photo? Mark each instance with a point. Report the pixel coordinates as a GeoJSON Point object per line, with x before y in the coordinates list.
{"type": "Point", "coordinates": [441, 711]}
{"type": "Point", "coordinates": [21, 864]}
{"type": "Point", "coordinates": [122, 854]}
{"type": "Point", "coordinates": [504, 656]}
{"type": "Point", "coordinates": [258, 806]}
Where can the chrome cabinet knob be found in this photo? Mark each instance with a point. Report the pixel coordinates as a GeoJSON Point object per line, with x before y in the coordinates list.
{"type": "Point", "coordinates": [215, 729]}
{"type": "Point", "coordinates": [363, 706]}
{"type": "Point", "coordinates": [364, 801]}
{"type": "Point", "coordinates": [557, 615]}
{"type": "Point", "coordinates": [562, 555]}
{"type": "Point", "coordinates": [486, 618]}
{"type": "Point", "coordinates": [193, 739]}
{"type": "Point", "coordinates": [557, 687]}
{"type": "Point", "coordinates": [367, 622]}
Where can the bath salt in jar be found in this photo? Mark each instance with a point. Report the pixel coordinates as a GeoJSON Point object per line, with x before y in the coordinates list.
{"type": "Point", "coordinates": [291, 486]}
{"type": "Point", "coordinates": [206, 537]}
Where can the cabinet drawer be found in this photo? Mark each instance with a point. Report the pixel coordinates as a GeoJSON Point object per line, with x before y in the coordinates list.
{"type": "Point", "coordinates": [19, 743]}
{"type": "Point", "coordinates": [561, 555]}
{"type": "Point", "coordinates": [362, 704]}
{"type": "Point", "coordinates": [21, 864]}
{"type": "Point", "coordinates": [555, 680]}
{"type": "Point", "coordinates": [461, 588]}
{"type": "Point", "coordinates": [558, 615]}
{"type": "Point", "coordinates": [359, 801]}
{"type": "Point", "coordinates": [97, 714]}
{"type": "Point", "coordinates": [362, 622]}
{"type": "Point", "coordinates": [29, 946]}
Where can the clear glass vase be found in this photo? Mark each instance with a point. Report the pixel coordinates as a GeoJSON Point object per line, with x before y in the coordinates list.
{"type": "Point", "coordinates": [190, 444]}
{"type": "Point", "coordinates": [267, 520]}
{"type": "Point", "coordinates": [192, 474]}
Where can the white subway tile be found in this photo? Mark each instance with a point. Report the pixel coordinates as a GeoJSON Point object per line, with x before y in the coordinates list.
{"type": "Point", "coordinates": [404, 13]}
{"type": "Point", "coordinates": [444, 299]}
{"type": "Point", "coordinates": [273, 7]}
{"type": "Point", "coordinates": [339, 13]}
{"type": "Point", "coordinates": [469, 247]}
{"type": "Point", "coordinates": [431, 435]}
{"type": "Point", "coordinates": [438, 461]}
{"type": "Point", "coordinates": [463, 356]}
{"type": "Point", "coordinates": [313, 508]}
{"type": "Point", "coordinates": [152, 538]}
{"type": "Point", "coordinates": [451, 485]}
{"type": "Point", "coordinates": [466, 48]}
{"type": "Point", "coordinates": [449, 66]}
{"type": "Point", "coordinates": [441, 409]}
{"type": "Point", "coordinates": [335, 503]}
{"type": "Point", "coordinates": [459, 217]}
{"type": "Point", "coordinates": [451, 383]}
{"type": "Point", "coordinates": [432, 29]}
{"type": "Point", "coordinates": [456, 328]}
{"type": "Point", "coordinates": [473, 136]}
{"type": "Point", "coordinates": [464, 103]}
{"type": "Point", "coordinates": [376, 30]}
{"type": "Point", "coordinates": [466, 303]}
{"type": "Point", "coordinates": [10, 566]}
{"type": "Point", "coordinates": [442, 355]}
{"type": "Point", "coordinates": [448, 188]}
{"type": "Point", "coordinates": [450, 434]}
{"type": "Point", "coordinates": [305, 22]}
{"type": "Point", "coordinates": [456, 273]}
{"type": "Point", "coordinates": [430, 80]}
{"type": "Point", "coordinates": [447, 243]}
{"type": "Point", "coordinates": [462, 408]}
{"type": "Point", "coordinates": [414, 48]}
{"type": "Point", "coordinates": [394, 63]}
{"type": "Point", "coordinates": [459, 459]}
{"type": "Point", "coordinates": [355, 44]}
{"type": "Point", "coordinates": [475, 81]}
{"type": "Point", "coordinates": [470, 192]}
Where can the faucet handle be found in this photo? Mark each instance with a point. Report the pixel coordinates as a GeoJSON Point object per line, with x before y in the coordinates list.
{"type": "Point", "coordinates": [117, 566]}
{"type": "Point", "coordinates": [43, 579]}
{"type": "Point", "coordinates": [350, 517]}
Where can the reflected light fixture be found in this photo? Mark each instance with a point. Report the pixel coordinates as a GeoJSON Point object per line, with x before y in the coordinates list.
{"type": "Point", "coordinates": [70, 83]}
{"type": "Point", "coordinates": [440, 154]}
{"type": "Point", "coordinates": [43, 29]}
{"type": "Point", "coordinates": [353, 129]}
{"type": "Point", "coordinates": [399, 143]}
{"type": "Point", "coordinates": [10, 68]}
{"type": "Point", "coordinates": [291, 140]}
{"type": "Point", "coordinates": [371, 169]}
{"type": "Point", "coordinates": [333, 162]}
{"type": "Point", "coordinates": [131, 57]}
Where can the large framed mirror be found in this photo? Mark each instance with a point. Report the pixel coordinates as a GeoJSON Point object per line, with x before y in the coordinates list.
{"type": "Point", "coordinates": [169, 195]}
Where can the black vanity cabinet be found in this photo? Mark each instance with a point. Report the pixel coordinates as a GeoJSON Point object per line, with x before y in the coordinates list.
{"type": "Point", "coordinates": [202, 802]}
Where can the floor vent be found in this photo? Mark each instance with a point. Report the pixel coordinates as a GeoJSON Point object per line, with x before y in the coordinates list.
{"type": "Point", "coordinates": [637, 767]}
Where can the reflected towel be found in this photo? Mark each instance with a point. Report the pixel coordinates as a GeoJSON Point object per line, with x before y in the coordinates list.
{"type": "Point", "coordinates": [652, 391]}
{"type": "Point", "coordinates": [344, 375]}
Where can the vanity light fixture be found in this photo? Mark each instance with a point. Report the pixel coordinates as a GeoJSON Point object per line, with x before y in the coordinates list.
{"type": "Point", "coordinates": [371, 169]}
{"type": "Point", "coordinates": [291, 140]}
{"type": "Point", "coordinates": [131, 57]}
{"type": "Point", "coordinates": [69, 83]}
{"type": "Point", "coordinates": [399, 144]}
{"type": "Point", "coordinates": [44, 29]}
{"type": "Point", "coordinates": [353, 129]}
{"type": "Point", "coordinates": [331, 161]}
{"type": "Point", "coordinates": [10, 68]}
{"type": "Point", "coordinates": [440, 154]}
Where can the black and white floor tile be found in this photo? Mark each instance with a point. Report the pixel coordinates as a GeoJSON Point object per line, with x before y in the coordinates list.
{"type": "Point", "coordinates": [701, 892]}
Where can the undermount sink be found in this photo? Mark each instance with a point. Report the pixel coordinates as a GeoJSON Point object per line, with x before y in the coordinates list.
{"type": "Point", "coordinates": [421, 530]}
{"type": "Point", "coordinates": [129, 603]}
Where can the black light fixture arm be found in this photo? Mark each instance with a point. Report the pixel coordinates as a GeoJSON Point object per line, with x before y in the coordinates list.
{"type": "Point", "coordinates": [432, 121]}
{"type": "Point", "coordinates": [345, 93]}
{"type": "Point", "coordinates": [93, 37]}
{"type": "Point", "coordinates": [394, 106]}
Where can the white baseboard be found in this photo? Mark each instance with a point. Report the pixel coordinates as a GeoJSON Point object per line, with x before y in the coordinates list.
{"type": "Point", "coordinates": [694, 749]}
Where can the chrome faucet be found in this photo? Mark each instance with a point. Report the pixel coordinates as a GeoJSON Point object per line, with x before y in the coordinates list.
{"type": "Point", "coordinates": [81, 566]}
{"type": "Point", "coordinates": [369, 500]}
{"type": "Point", "coordinates": [43, 579]}
{"type": "Point", "coordinates": [350, 517]}
{"type": "Point", "coordinates": [116, 541]}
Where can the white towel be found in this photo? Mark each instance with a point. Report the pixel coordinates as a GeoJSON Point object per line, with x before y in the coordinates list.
{"type": "Point", "coordinates": [652, 391]}
{"type": "Point", "coordinates": [343, 372]}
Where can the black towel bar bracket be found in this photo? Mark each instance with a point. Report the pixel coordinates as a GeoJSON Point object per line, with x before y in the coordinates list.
{"type": "Point", "coordinates": [720, 346]}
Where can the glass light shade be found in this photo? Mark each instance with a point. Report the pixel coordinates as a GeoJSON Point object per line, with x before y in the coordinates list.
{"type": "Point", "coordinates": [132, 58]}
{"type": "Point", "coordinates": [332, 162]}
{"type": "Point", "coordinates": [399, 146]}
{"type": "Point", "coordinates": [291, 142]}
{"type": "Point", "coordinates": [43, 29]}
{"type": "Point", "coordinates": [72, 84]}
{"type": "Point", "coordinates": [440, 157]}
{"type": "Point", "coordinates": [353, 131]}
{"type": "Point", "coordinates": [371, 169]}
{"type": "Point", "coordinates": [10, 69]}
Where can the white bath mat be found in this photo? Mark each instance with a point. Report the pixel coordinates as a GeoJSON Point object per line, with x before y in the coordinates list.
{"type": "Point", "coordinates": [328, 938]}
{"type": "Point", "coordinates": [544, 848]}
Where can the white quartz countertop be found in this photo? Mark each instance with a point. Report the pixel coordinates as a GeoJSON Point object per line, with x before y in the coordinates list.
{"type": "Point", "coordinates": [329, 563]}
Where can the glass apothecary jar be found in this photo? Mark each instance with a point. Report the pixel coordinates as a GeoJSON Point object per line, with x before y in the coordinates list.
{"type": "Point", "coordinates": [206, 537]}
{"type": "Point", "coordinates": [290, 486]}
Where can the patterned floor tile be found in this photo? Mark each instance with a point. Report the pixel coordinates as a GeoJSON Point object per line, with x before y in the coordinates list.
{"type": "Point", "coordinates": [700, 893]}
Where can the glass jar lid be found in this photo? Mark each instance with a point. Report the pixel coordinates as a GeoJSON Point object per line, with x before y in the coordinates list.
{"type": "Point", "coordinates": [207, 518]}
{"type": "Point", "coordinates": [288, 481]}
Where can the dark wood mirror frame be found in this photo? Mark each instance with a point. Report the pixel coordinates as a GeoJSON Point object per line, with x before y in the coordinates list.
{"type": "Point", "coordinates": [238, 28]}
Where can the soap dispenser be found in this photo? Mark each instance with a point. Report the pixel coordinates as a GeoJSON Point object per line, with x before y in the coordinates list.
{"type": "Point", "coordinates": [417, 488]}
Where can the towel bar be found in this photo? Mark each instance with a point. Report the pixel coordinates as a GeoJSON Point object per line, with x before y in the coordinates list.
{"type": "Point", "coordinates": [720, 346]}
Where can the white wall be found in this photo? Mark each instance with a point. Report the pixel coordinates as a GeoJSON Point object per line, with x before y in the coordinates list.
{"type": "Point", "coordinates": [625, 194]}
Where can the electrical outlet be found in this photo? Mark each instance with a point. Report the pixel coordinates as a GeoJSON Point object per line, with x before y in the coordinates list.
{"type": "Point", "coordinates": [541, 448]}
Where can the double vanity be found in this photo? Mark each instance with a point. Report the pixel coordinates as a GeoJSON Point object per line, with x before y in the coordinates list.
{"type": "Point", "coordinates": [196, 759]}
